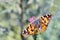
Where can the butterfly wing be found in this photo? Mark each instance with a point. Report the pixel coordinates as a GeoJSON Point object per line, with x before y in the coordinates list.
{"type": "Point", "coordinates": [31, 29]}
{"type": "Point", "coordinates": [44, 20]}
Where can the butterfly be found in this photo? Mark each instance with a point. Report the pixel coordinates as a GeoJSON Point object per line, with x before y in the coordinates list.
{"type": "Point", "coordinates": [39, 25]}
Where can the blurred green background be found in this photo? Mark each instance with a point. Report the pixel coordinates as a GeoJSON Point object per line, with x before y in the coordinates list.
{"type": "Point", "coordinates": [14, 15]}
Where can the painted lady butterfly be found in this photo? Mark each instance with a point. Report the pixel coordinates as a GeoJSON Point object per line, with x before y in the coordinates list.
{"type": "Point", "coordinates": [39, 25]}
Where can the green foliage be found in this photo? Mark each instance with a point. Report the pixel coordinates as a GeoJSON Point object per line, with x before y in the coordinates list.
{"type": "Point", "coordinates": [14, 15]}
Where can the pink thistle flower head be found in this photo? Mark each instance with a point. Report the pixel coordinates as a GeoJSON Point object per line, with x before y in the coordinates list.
{"type": "Point", "coordinates": [31, 20]}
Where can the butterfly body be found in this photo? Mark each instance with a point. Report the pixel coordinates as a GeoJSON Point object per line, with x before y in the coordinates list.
{"type": "Point", "coordinates": [38, 25]}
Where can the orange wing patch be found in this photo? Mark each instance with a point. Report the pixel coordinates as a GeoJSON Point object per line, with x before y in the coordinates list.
{"type": "Point", "coordinates": [31, 29]}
